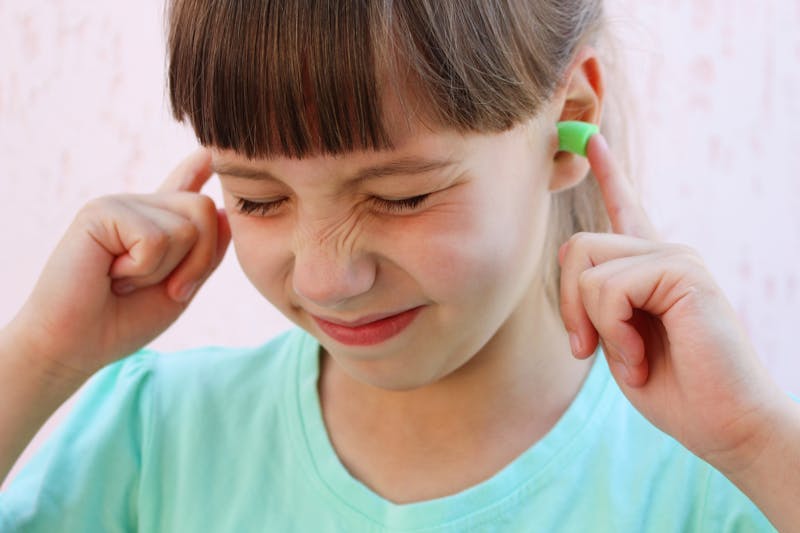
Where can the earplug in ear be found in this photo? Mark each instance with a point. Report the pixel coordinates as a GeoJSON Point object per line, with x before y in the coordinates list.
{"type": "Point", "coordinates": [573, 136]}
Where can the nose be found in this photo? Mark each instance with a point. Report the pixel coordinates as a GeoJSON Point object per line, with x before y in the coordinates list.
{"type": "Point", "coordinates": [328, 278]}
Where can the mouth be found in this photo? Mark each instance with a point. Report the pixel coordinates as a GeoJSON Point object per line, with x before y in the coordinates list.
{"type": "Point", "coordinates": [368, 330]}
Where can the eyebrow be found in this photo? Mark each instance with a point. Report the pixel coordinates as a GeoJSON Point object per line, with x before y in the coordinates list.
{"type": "Point", "coordinates": [402, 166]}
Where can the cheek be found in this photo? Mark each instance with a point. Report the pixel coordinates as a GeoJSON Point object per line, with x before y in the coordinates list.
{"type": "Point", "coordinates": [452, 255]}
{"type": "Point", "coordinates": [261, 253]}
{"type": "Point", "coordinates": [493, 248]}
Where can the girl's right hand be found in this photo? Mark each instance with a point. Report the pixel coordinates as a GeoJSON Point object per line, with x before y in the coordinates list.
{"type": "Point", "coordinates": [125, 269]}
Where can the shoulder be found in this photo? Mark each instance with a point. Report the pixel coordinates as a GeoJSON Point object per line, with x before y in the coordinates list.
{"type": "Point", "coordinates": [677, 483]}
{"type": "Point", "coordinates": [161, 385]}
{"type": "Point", "coordinates": [215, 363]}
{"type": "Point", "coordinates": [210, 371]}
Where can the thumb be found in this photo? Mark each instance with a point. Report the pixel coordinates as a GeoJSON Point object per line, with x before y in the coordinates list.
{"type": "Point", "coordinates": [223, 235]}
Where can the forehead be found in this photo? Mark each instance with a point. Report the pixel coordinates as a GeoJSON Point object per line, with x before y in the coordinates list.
{"type": "Point", "coordinates": [416, 153]}
{"type": "Point", "coordinates": [428, 155]}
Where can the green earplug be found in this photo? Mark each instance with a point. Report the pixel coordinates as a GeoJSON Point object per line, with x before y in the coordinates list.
{"type": "Point", "coordinates": [573, 136]}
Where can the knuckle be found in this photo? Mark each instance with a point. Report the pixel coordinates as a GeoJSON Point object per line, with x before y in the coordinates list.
{"type": "Point", "coordinates": [585, 279]}
{"type": "Point", "coordinates": [200, 206]}
{"type": "Point", "coordinates": [155, 241]}
{"type": "Point", "coordinates": [186, 232]}
{"type": "Point", "coordinates": [150, 257]}
{"type": "Point", "coordinates": [600, 286]}
{"type": "Point", "coordinates": [686, 253]}
{"type": "Point", "coordinates": [93, 205]}
{"type": "Point", "coordinates": [697, 261]}
{"type": "Point", "coordinates": [580, 238]}
{"type": "Point", "coordinates": [681, 248]}
{"type": "Point", "coordinates": [607, 289]}
{"type": "Point", "coordinates": [97, 206]}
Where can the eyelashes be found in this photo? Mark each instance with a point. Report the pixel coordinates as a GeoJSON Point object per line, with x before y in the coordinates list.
{"type": "Point", "coordinates": [248, 207]}
{"type": "Point", "coordinates": [405, 204]}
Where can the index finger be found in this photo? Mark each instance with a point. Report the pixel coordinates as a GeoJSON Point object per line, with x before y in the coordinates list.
{"type": "Point", "coordinates": [191, 174]}
{"type": "Point", "coordinates": [624, 209]}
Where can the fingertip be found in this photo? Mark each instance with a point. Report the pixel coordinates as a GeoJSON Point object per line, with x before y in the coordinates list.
{"type": "Point", "coordinates": [575, 344]}
{"type": "Point", "coordinates": [637, 377]}
{"type": "Point", "coordinates": [123, 287]}
{"type": "Point", "coordinates": [203, 153]}
{"type": "Point", "coordinates": [562, 252]}
{"type": "Point", "coordinates": [183, 293]}
{"type": "Point", "coordinates": [204, 161]}
{"type": "Point", "coordinates": [597, 146]}
{"type": "Point", "coordinates": [191, 173]}
{"type": "Point", "coordinates": [634, 378]}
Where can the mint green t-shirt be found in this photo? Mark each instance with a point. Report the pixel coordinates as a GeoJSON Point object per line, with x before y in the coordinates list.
{"type": "Point", "coordinates": [233, 440]}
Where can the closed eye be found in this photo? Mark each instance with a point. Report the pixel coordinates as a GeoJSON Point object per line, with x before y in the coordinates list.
{"type": "Point", "coordinates": [261, 208]}
{"type": "Point", "coordinates": [401, 205]}
{"type": "Point", "coordinates": [248, 207]}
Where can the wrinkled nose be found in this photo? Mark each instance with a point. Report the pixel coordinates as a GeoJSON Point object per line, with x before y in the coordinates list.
{"type": "Point", "coordinates": [329, 279]}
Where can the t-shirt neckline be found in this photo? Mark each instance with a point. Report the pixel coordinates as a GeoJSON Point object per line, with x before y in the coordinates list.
{"type": "Point", "coordinates": [582, 419]}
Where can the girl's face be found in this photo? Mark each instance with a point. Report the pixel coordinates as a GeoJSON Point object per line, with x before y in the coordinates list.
{"type": "Point", "coordinates": [331, 240]}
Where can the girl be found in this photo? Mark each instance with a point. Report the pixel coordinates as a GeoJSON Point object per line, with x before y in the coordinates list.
{"type": "Point", "coordinates": [393, 184]}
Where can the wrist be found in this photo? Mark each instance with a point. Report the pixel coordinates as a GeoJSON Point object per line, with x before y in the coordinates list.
{"type": "Point", "coordinates": [31, 389]}
{"type": "Point", "coordinates": [769, 474]}
{"type": "Point", "coordinates": [778, 429]}
{"type": "Point", "coordinates": [39, 362]}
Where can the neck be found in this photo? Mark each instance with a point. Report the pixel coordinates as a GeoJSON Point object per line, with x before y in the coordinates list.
{"type": "Point", "coordinates": [501, 401]}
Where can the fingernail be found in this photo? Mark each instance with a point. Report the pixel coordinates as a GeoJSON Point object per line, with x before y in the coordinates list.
{"type": "Point", "coordinates": [575, 343]}
{"type": "Point", "coordinates": [124, 288]}
{"type": "Point", "coordinates": [186, 292]}
{"type": "Point", "coordinates": [624, 356]}
{"type": "Point", "coordinates": [626, 373]}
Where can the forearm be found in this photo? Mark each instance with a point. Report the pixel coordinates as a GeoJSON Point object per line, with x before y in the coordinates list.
{"type": "Point", "coordinates": [30, 391]}
{"type": "Point", "coordinates": [772, 479]}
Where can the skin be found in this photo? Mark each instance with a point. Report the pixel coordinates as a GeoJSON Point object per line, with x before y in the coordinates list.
{"type": "Point", "coordinates": [677, 349]}
{"type": "Point", "coordinates": [469, 255]}
{"type": "Point", "coordinates": [674, 344]}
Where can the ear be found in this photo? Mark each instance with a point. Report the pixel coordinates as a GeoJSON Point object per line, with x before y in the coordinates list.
{"type": "Point", "coordinates": [580, 97]}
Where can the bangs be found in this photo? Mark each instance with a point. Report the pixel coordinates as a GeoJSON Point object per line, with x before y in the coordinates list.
{"type": "Point", "coordinates": [271, 78]}
{"type": "Point", "coordinates": [292, 78]}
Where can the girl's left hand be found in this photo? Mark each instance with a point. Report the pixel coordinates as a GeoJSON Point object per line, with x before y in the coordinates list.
{"type": "Point", "coordinates": [673, 342]}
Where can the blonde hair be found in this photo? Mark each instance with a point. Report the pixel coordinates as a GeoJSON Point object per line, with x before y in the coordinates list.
{"type": "Point", "coordinates": [292, 78]}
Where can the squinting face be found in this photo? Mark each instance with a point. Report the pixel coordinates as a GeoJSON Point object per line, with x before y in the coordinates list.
{"type": "Point", "coordinates": [463, 253]}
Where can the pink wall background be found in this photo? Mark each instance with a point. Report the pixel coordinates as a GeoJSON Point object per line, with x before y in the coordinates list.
{"type": "Point", "coordinates": [83, 113]}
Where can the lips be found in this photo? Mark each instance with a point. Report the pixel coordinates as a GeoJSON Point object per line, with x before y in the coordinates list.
{"type": "Point", "coordinates": [367, 330]}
